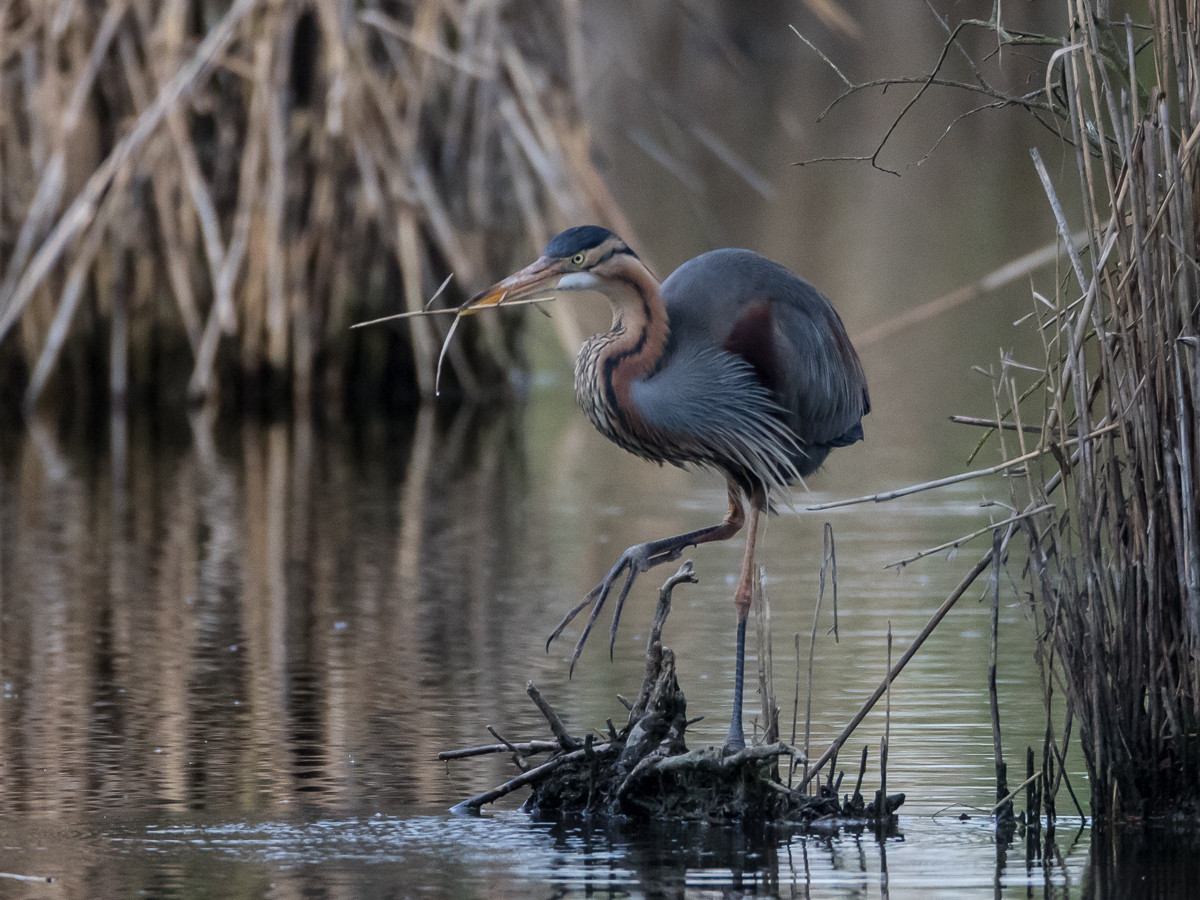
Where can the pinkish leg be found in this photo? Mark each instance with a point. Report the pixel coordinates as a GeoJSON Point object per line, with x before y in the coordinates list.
{"type": "Point", "coordinates": [736, 739]}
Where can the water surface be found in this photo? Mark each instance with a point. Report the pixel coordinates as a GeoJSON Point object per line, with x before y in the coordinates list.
{"type": "Point", "coordinates": [230, 651]}
{"type": "Point", "coordinates": [230, 655]}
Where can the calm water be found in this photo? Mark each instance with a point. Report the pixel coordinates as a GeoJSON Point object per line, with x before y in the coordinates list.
{"type": "Point", "coordinates": [230, 656]}
{"type": "Point", "coordinates": [230, 652]}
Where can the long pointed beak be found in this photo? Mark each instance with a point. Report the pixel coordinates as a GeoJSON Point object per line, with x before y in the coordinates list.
{"type": "Point", "coordinates": [540, 277]}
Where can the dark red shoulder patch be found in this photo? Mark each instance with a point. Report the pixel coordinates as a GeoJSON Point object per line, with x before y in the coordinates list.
{"type": "Point", "coordinates": [751, 339]}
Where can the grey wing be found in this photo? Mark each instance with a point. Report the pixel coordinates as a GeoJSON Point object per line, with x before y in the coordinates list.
{"type": "Point", "coordinates": [787, 332]}
{"type": "Point", "coordinates": [822, 384]}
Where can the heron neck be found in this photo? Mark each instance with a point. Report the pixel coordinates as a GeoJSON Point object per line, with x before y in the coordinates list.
{"type": "Point", "coordinates": [609, 363]}
{"type": "Point", "coordinates": [634, 346]}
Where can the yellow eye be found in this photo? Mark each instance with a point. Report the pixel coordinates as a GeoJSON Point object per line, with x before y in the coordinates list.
{"type": "Point", "coordinates": [577, 259]}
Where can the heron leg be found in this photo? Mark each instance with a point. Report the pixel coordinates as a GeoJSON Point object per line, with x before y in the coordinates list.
{"type": "Point", "coordinates": [641, 558]}
{"type": "Point", "coordinates": [736, 739]}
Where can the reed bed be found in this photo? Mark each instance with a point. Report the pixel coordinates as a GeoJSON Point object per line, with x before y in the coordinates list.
{"type": "Point", "coordinates": [1098, 443]}
{"type": "Point", "coordinates": [196, 196]}
{"type": "Point", "coordinates": [1114, 568]}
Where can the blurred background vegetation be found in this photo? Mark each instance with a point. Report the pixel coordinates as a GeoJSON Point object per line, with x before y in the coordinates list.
{"type": "Point", "coordinates": [198, 196]}
{"type": "Point", "coordinates": [197, 199]}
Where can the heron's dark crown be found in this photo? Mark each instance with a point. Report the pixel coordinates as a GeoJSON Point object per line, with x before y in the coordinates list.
{"type": "Point", "coordinates": [581, 238]}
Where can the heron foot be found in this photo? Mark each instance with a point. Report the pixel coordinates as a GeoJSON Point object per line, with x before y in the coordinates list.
{"type": "Point", "coordinates": [733, 744]}
{"type": "Point", "coordinates": [634, 561]}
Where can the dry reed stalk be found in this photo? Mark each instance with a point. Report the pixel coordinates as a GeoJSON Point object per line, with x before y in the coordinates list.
{"type": "Point", "coordinates": [300, 167]}
{"type": "Point", "coordinates": [993, 698]}
{"type": "Point", "coordinates": [1115, 567]}
{"type": "Point", "coordinates": [766, 661]}
{"type": "Point", "coordinates": [828, 557]}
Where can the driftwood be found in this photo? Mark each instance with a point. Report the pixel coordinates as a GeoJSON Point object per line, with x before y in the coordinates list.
{"type": "Point", "coordinates": [646, 770]}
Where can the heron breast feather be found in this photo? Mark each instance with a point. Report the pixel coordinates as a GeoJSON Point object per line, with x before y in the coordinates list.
{"type": "Point", "coordinates": [707, 406]}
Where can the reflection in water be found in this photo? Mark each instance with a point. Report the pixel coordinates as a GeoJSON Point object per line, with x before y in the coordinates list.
{"type": "Point", "coordinates": [510, 856]}
{"type": "Point", "coordinates": [1164, 864]}
{"type": "Point", "coordinates": [229, 624]}
{"type": "Point", "coordinates": [229, 657]}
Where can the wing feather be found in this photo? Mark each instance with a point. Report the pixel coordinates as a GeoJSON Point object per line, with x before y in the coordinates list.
{"type": "Point", "coordinates": [708, 406]}
{"type": "Point", "coordinates": [788, 333]}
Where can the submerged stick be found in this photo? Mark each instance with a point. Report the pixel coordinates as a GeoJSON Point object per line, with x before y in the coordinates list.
{"type": "Point", "coordinates": [994, 701]}
{"type": "Point", "coordinates": [766, 681]}
{"type": "Point", "coordinates": [937, 617]}
{"type": "Point", "coordinates": [533, 775]}
{"type": "Point", "coordinates": [1008, 798]}
{"type": "Point", "coordinates": [882, 807]}
{"type": "Point", "coordinates": [831, 558]}
{"type": "Point", "coordinates": [856, 799]}
{"type": "Point", "coordinates": [881, 797]}
{"type": "Point", "coordinates": [795, 708]}
{"type": "Point", "coordinates": [812, 646]}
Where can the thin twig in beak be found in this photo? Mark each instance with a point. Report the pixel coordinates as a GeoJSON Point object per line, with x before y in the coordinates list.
{"type": "Point", "coordinates": [438, 292]}
{"type": "Point", "coordinates": [437, 378]}
{"type": "Point", "coordinates": [423, 312]}
{"type": "Point", "coordinates": [408, 315]}
{"type": "Point", "coordinates": [459, 311]}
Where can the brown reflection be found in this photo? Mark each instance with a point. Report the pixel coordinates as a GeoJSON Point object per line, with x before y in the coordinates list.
{"type": "Point", "coordinates": [238, 620]}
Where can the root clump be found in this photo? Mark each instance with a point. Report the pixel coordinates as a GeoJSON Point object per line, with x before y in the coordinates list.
{"type": "Point", "coordinates": [647, 771]}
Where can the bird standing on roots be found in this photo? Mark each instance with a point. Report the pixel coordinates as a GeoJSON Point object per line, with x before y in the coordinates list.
{"type": "Point", "coordinates": [733, 363]}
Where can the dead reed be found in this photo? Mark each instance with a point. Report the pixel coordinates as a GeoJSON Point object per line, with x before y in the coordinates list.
{"type": "Point", "coordinates": [1099, 444]}
{"type": "Point", "coordinates": [203, 195]}
{"type": "Point", "coordinates": [1114, 569]}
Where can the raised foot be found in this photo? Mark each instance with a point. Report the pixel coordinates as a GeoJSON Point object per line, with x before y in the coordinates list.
{"type": "Point", "coordinates": [637, 559]}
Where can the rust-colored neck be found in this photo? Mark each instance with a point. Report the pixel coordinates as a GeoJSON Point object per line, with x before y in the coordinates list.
{"type": "Point", "coordinates": [639, 327]}
{"type": "Point", "coordinates": [610, 362]}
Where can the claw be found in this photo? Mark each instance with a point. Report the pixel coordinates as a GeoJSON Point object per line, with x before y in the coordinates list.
{"type": "Point", "coordinates": [637, 559]}
{"type": "Point", "coordinates": [571, 615]}
{"type": "Point", "coordinates": [633, 561]}
{"type": "Point", "coordinates": [605, 586]}
{"type": "Point", "coordinates": [612, 638]}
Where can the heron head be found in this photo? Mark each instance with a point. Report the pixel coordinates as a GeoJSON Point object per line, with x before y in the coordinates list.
{"type": "Point", "coordinates": [579, 259]}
